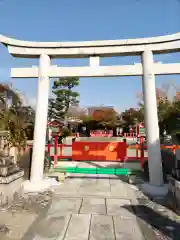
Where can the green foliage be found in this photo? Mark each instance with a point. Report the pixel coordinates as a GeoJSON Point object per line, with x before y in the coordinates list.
{"type": "Point", "coordinates": [51, 109]}
{"type": "Point", "coordinates": [101, 118]}
{"type": "Point", "coordinates": [14, 122]}
{"type": "Point", "coordinates": [66, 132]}
{"type": "Point", "coordinates": [64, 96]}
{"type": "Point", "coordinates": [14, 117]}
{"type": "Point", "coordinates": [131, 117]}
{"type": "Point", "coordinates": [171, 120]}
{"type": "Point", "coordinates": [168, 114]}
{"type": "Point", "coordinates": [86, 118]}
{"type": "Point", "coordinates": [105, 117]}
{"type": "Point", "coordinates": [47, 162]}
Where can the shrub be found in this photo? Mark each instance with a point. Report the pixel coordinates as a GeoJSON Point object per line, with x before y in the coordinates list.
{"type": "Point", "coordinates": [168, 164]}
{"type": "Point", "coordinates": [66, 132]}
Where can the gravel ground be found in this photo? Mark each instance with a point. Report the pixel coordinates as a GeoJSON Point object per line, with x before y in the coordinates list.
{"type": "Point", "coordinates": [15, 220]}
{"type": "Point", "coordinates": [32, 202]}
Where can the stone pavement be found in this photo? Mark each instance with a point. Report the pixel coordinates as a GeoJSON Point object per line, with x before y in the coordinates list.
{"type": "Point", "coordinates": [89, 208]}
{"type": "Point", "coordinates": [84, 207]}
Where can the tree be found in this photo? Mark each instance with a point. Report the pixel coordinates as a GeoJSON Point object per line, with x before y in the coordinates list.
{"type": "Point", "coordinates": [12, 117]}
{"type": "Point", "coordinates": [106, 117]}
{"type": "Point", "coordinates": [64, 95]}
{"type": "Point", "coordinates": [76, 112]}
{"type": "Point", "coordinates": [171, 120]}
{"type": "Point", "coordinates": [8, 97]}
{"type": "Point", "coordinates": [168, 107]}
{"type": "Point", "coordinates": [27, 116]}
{"type": "Point", "coordinates": [51, 109]}
{"type": "Point", "coordinates": [28, 113]}
{"type": "Point", "coordinates": [130, 117]}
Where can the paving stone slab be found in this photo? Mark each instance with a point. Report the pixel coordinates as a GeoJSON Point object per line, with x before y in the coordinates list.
{"type": "Point", "coordinates": [116, 192]}
{"type": "Point", "coordinates": [121, 189]}
{"type": "Point", "coordinates": [118, 182]}
{"type": "Point", "coordinates": [89, 182]}
{"type": "Point", "coordinates": [52, 228]}
{"type": "Point", "coordinates": [67, 188]}
{"type": "Point", "coordinates": [95, 190]}
{"type": "Point", "coordinates": [85, 195]}
{"type": "Point", "coordinates": [95, 186]}
{"type": "Point", "coordinates": [93, 206]}
{"type": "Point", "coordinates": [118, 185]}
{"type": "Point", "coordinates": [127, 229]}
{"type": "Point", "coordinates": [16, 224]}
{"type": "Point", "coordinates": [94, 193]}
{"type": "Point", "coordinates": [119, 207]}
{"type": "Point", "coordinates": [65, 205]}
{"type": "Point", "coordinates": [78, 228]}
{"type": "Point", "coordinates": [102, 228]}
{"type": "Point", "coordinates": [103, 181]}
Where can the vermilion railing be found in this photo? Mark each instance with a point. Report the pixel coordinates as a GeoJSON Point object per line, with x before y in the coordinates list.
{"type": "Point", "coordinates": [130, 135]}
{"type": "Point", "coordinates": [99, 151]}
{"type": "Point", "coordinates": [140, 151]}
{"type": "Point", "coordinates": [56, 151]}
{"type": "Point", "coordinates": [101, 133]}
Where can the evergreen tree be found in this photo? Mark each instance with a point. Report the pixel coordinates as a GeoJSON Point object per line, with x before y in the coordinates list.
{"type": "Point", "coordinates": [64, 95]}
{"type": "Point", "coordinates": [51, 109]}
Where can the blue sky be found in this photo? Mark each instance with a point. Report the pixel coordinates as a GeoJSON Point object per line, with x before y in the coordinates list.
{"type": "Point", "coordinates": [77, 20]}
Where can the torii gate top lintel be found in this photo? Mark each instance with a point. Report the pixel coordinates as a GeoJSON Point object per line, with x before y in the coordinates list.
{"type": "Point", "coordinates": [22, 43]}
{"type": "Point", "coordinates": [20, 48]}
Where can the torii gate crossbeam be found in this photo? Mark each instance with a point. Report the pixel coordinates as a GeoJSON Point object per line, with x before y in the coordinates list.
{"type": "Point", "coordinates": [98, 71]}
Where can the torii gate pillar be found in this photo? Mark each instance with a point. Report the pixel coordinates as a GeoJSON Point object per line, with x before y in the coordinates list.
{"type": "Point", "coordinates": [38, 155]}
{"type": "Point", "coordinates": [152, 127]}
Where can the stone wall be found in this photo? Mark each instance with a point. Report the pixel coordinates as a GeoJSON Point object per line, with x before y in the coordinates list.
{"type": "Point", "coordinates": [11, 191]}
{"type": "Point", "coordinates": [174, 191]}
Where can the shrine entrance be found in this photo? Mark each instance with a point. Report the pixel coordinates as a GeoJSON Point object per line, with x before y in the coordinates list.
{"type": "Point", "coordinates": [94, 50]}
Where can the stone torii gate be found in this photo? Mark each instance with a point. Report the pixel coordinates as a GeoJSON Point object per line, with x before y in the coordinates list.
{"type": "Point", "coordinates": [93, 50]}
